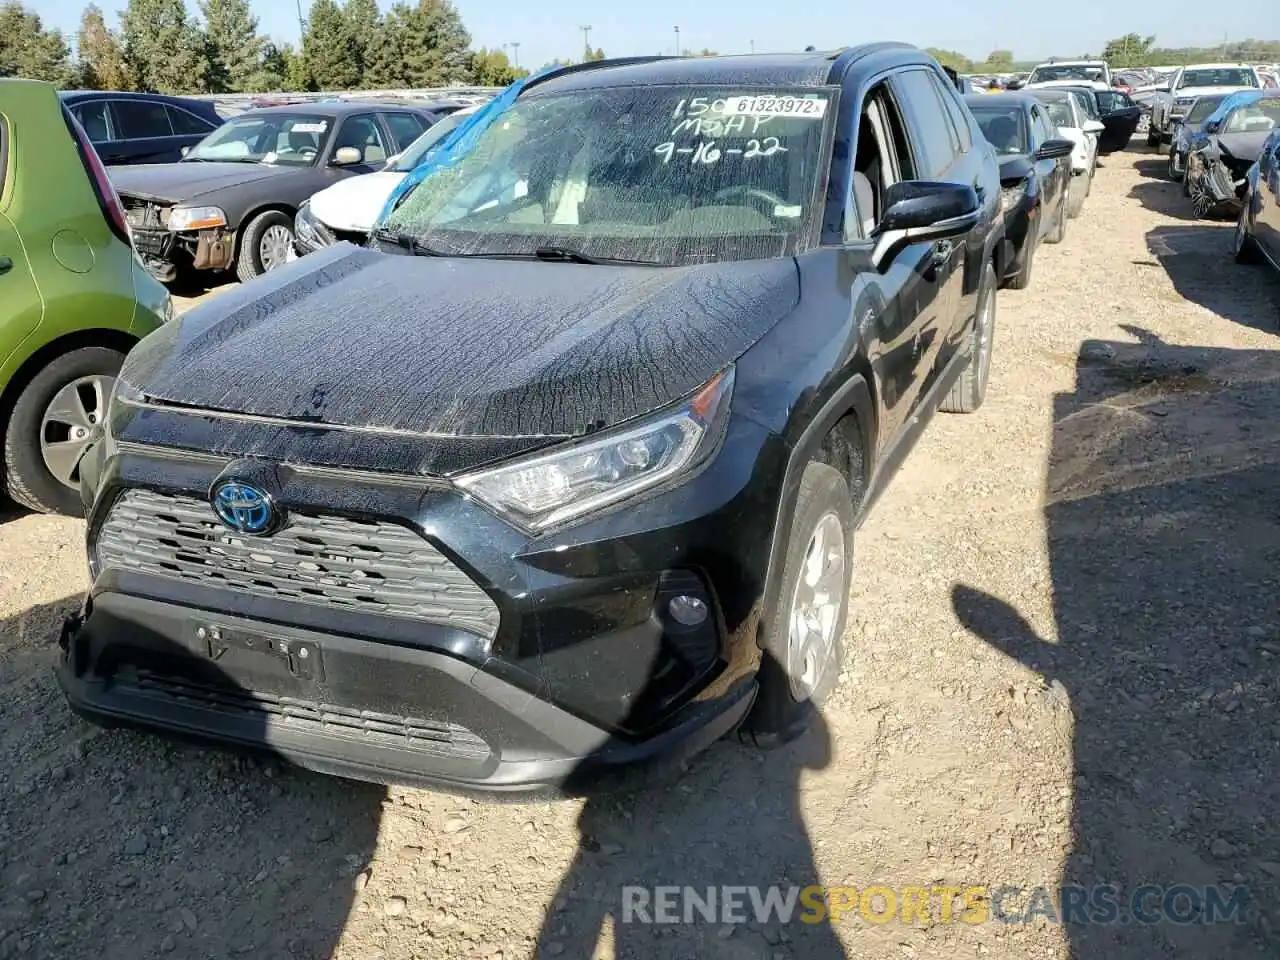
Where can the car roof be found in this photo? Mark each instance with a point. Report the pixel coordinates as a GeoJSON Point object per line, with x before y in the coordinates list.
{"type": "Point", "coordinates": [74, 95]}
{"type": "Point", "coordinates": [1217, 66]}
{"type": "Point", "coordinates": [812, 68]}
{"type": "Point", "coordinates": [335, 108]}
{"type": "Point", "coordinates": [999, 99]}
{"type": "Point", "coordinates": [1071, 63]}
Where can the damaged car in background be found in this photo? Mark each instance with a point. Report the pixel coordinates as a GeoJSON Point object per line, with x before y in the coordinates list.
{"type": "Point", "coordinates": [1218, 168]}
{"type": "Point", "coordinates": [230, 202]}
{"type": "Point", "coordinates": [1189, 133]}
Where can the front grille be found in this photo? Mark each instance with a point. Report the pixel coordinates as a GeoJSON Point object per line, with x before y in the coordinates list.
{"type": "Point", "coordinates": [431, 737]}
{"type": "Point", "coordinates": [359, 565]}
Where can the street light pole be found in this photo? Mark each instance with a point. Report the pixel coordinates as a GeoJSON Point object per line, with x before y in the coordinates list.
{"type": "Point", "coordinates": [586, 41]}
{"type": "Point", "coordinates": [677, 41]}
{"type": "Point", "coordinates": [515, 54]}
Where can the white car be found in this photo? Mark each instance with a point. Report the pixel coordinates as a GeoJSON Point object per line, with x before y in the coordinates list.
{"type": "Point", "coordinates": [1187, 83]}
{"type": "Point", "coordinates": [1069, 116]}
{"type": "Point", "coordinates": [347, 210]}
{"type": "Point", "coordinates": [1070, 73]}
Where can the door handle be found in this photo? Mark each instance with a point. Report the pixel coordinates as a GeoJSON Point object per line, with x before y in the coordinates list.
{"type": "Point", "coordinates": [5, 265]}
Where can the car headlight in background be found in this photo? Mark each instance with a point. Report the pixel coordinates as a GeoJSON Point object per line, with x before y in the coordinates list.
{"type": "Point", "coordinates": [310, 233]}
{"type": "Point", "coordinates": [196, 218]}
{"type": "Point", "coordinates": [546, 489]}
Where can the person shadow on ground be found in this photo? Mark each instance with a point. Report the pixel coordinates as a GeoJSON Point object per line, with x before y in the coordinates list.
{"type": "Point", "coordinates": [732, 818]}
{"type": "Point", "coordinates": [119, 846]}
{"type": "Point", "coordinates": [1164, 544]}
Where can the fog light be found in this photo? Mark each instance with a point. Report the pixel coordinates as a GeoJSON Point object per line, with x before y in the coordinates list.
{"type": "Point", "coordinates": [687, 610]}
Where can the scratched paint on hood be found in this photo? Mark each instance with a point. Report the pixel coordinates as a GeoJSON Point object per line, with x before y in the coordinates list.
{"type": "Point", "coordinates": [462, 347]}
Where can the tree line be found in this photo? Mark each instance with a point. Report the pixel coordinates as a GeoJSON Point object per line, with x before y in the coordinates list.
{"type": "Point", "coordinates": [159, 48]}
{"type": "Point", "coordinates": [1132, 50]}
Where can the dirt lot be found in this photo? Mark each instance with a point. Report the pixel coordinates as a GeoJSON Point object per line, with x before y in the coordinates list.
{"type": "Point", "coordinates": [1062, 669]}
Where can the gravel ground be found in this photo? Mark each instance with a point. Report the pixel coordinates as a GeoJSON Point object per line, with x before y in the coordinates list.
{"type": "Point", "coordinates": [1061, 669]}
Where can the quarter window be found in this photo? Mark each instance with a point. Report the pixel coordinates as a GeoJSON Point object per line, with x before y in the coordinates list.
{"type": "Point", "coordinates": [405, 128]}
{"type": "Point", "coordinates": [187, 124]}
{"type": "Point", "coordinates": [95, 118]}
{"type": "Point", "coordinates": [932, 139]}
{"type": "Point", "coordinates": [964, 138]}
{"type": "Point", "coordinates": [140, 119]}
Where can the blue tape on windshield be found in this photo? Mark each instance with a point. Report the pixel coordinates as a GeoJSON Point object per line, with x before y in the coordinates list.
{"type": "Point", "coordinates": [1241, 98]}
{"type": "Point", "coordinates": [457, 144]}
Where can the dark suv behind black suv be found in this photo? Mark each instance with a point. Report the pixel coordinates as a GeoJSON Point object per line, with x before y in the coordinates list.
{"type": "Point", "coordinates": [564, 478]}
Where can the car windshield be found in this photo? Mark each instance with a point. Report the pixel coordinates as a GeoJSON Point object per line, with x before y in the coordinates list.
{"type": "Point", "coordinates": [1059, 112]}
{"type": "Point", "coordinates": [1219, 77]}
{"type": "Point", "coordinates": [1065, 71]}
{"type": "Point", "coordinates": [1004, 127]}
{"type": "Point", "coordinates": [414, 153]}
{"type": "Point", "coordinates": [1201, 109]}
{"type": "Point", "coordinates": [660, 174]}
{"type": "Point", "coordinates": [276, 138]}
{"type": "Point", "coordinates": [1260, 116]}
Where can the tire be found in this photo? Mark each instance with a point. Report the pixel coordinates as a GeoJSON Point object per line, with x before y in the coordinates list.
{"type": "Point", "coordinates": [1022, 279]}
{"type": "Point", "coordinates": [1172, 171]}
{"type": "Point", "coordinates": [970, 390]}
{"type": "Point", "coordinates": [789, 695]}
{"type": "Point", "coordinates": [28, 479]}
{"type": "Point", "coordinates": [1058, 232]}
{"type": "Point", "coordinates": [1077, 190]}
{"type": "Point", "coordinates": [1153, 137]}
{"type": "Point", "coordinates": [263, 230]}
{"type": "Point", "coordinates": [1186, 185]}
{"type": "Point", "coordinates": [1245, 246]}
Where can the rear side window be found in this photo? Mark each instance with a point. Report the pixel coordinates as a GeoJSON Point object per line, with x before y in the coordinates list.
{"type": "Point", "coordinates": [95, 118]}
{"type": "Point", "coordinates": [140, 119]}
{"type": "Point", "coordinates": [405, 128]}
{"type": "Point", "coordinates": [929, 127]}
{"type": "Point", "coordinates": [187, 124]}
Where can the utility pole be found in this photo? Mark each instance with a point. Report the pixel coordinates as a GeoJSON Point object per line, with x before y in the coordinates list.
{"type": "Point", "coordinates": [515, 54]}
{"type": "Point", "coordinates": [586, 41]}
{"type": "Point", "coordinates": [677, 41]}
{"type": "Point", "coordinates": [753, 46]}
{"type": "Point", "coordinates": [302, 24]}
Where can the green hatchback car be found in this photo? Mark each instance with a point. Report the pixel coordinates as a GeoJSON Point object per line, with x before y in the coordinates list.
{"type": "Point", "coordinates": [74, 297]}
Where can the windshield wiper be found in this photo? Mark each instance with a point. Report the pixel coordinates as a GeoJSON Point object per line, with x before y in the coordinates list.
{"type": "Point", "coordinates": [555, 254]}
{"type": "Point", "coordinates": [408, 242]}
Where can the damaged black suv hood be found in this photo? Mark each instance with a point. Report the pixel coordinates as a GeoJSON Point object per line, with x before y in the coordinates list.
{"type": "Point", "coordinates": [461, 347]}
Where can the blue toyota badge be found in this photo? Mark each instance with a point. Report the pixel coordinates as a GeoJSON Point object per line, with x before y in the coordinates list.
{"type": "Point", "coordinates": [245, 508]}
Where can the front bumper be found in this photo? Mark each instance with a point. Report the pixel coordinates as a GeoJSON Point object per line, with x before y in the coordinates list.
{"type": "Point", "coordinates": [583, 678]}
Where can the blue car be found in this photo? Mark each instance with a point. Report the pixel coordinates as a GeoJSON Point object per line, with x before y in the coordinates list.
{"type": "Point", "coordinates": [1189, 132]}
{"type": "Point", "coordinates": [1217, 168]}
{"type": "Point", "coordinates": [141, 127]}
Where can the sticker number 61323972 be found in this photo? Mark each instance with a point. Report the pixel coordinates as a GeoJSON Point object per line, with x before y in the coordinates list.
{"type": "Point", "coordinates": [807, 108]}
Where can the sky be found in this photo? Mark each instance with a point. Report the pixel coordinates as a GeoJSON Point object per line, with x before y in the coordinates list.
{"type": "Point", "coordinates": [546, 29]}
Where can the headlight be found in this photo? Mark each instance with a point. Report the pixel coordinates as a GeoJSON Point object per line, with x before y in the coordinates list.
{"type": "Point", "coordinates": [547, 489]}
{"type": "Point", "coordinates": [309, 230]}
{"type": "Point", "coordinates": [1010, 197]}
{"type": "Point", "coordinates": [196, 218]}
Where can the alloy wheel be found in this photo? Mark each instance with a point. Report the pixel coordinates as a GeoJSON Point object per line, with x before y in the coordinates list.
{"type": "Point", "coordinates": [815, 608]}
{"type": "Point", "coordinates": [72, 423]}
{"type": "Point", "coordinates": [273, 248]}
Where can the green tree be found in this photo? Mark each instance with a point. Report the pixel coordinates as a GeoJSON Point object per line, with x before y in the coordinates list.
{"type": "Point", "coordinates": [271, 72]}
{"type": "Point", "coordinates": [590, 55]}
{"type": "Point", "coordinates": [492, 68]}
{"type": "Point", "coordinates": [165, 50]}
{"type": "Point", "coordinates": [436, 45]}
{"type": "Point", "coordinates": [102, 62]}
{"type": "Point", "coordinates": [27, 49]}
{"type": "Point", "coordinates": [950, 58]}
{"type": "Point", "coordinates": [384, 64]}
{"type": "Point", "coordinates": [999, 61]}
{"type": "Point", "coordinates": [363, 20]}
{"type": "Point", "coordinates": [329, 48]}
{"type": "Point", "coordinates": [1131, 50]}
{"type": "Point", "coordinates": [233, 44]}
{"type": "Point", "coordinates": [297, 78]}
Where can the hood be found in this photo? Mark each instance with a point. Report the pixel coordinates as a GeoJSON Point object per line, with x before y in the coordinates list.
{"type": "Point", "coordinates": [354, 203]}
{"type": "Point", "coordinates": [1094, 84]}
{"type": "Point", "coordinates": [190, 180]}
{"type": "Point", "coordinates": [1244, 147]}
{"type": "Point", "coordinates": [456, 347]}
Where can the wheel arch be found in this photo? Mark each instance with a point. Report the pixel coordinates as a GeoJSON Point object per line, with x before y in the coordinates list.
{"type": "Point", "coordinates": [841, 433]}
{"type": "Point", "coordinates": [45, 354]}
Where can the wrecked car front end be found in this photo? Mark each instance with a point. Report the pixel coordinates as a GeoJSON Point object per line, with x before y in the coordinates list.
{"type": "Point", "coordinates": [170, 237]}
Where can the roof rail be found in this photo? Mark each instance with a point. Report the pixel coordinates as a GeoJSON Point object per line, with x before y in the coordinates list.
{"type": "Point", "coordinates": [843, 58]}
{"type": "Point", "coordinates": [593, 65]}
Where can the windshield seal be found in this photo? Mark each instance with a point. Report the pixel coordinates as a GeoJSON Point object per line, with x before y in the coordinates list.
{"type": "Point", "coordinates": [668, 175]}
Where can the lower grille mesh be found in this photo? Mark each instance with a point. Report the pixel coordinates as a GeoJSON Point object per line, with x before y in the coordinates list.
{"type": "Point", "coordinates": [448, 740]}
{"type": "Point", "coordinates": [335, 562]}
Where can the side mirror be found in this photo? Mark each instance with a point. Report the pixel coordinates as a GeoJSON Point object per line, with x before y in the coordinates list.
{"type": "Point", "coordinates": [1094, 126]}
{"type": "Point", "coordinates": [922, 210]}
{"type": "Point", "coordinates": [346, 156]}
{"type": "Point", "coordinates": [1055, 149]}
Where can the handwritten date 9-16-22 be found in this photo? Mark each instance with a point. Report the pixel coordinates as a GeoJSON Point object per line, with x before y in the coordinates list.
{"type": "Point", "coordinates": [706, 151]}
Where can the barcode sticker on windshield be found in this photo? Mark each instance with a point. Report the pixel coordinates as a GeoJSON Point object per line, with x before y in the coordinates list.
{"type": "Point", "coordinates": [803, 108]}
{"type": "Point", "coordinates": [310, 127]}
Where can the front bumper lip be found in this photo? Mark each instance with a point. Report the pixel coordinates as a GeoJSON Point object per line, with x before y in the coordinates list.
{"type": "Point", "coordinates": [572, 756]}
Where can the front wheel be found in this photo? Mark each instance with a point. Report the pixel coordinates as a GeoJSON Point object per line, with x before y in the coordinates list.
{"type": "Point", "coordinates": [265, 245]}
{"type": "Point", "coordinates": [970, 390]}
{"type": "Point", "coordinates": [803, 641]}
{"type": "Point", "coordinates": [1077, 190]}
{"type": "Point", "coordinates": [1058, 232]}
{"type": "Point", "coordinates": [57, 417]}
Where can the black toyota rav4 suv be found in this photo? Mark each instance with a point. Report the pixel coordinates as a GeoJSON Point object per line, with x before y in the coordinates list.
{"type": "Point", "coordinates": [562, 479]}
